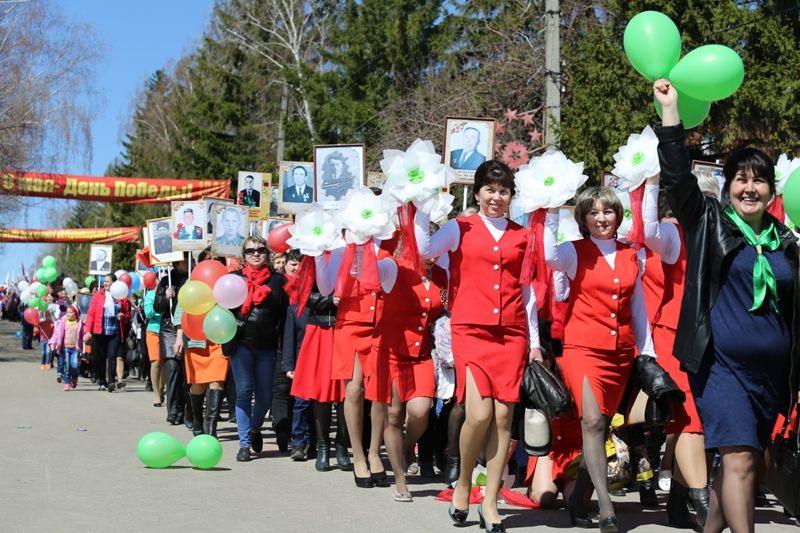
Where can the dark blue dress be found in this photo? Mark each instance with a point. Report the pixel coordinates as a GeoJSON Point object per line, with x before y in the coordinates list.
{"type": "Point", "coordinates": [741, 393]}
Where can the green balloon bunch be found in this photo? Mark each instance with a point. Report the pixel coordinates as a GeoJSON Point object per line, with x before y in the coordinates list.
{"type": "Point", "coordinates": [791, 197]}
{"type": "Point", "coordinates": [48, 272]}
{"type": "Point", "coordinates": [709, 73]}
{"type": "Point", "coordinates": [160, 450]}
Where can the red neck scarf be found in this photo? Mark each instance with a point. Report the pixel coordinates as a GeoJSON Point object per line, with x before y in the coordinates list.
{"type": "Point", "coordinates": [257, 291]}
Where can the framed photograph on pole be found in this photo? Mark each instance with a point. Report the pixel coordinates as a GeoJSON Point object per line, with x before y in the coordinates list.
{"type": "Point", "coordinates": [253, 191]}
{"type": "Point", "coordinates": [231, 223]}
{"type": "Point", "coordinates": [160, 238]}
{"type": "Point", "coordinates": [339, 168]}
{"type": "Point", "coordinates": [468, 142]}
{"type": "Point", "coordinates": [188, 225]}
{"type": "Point", "coordinates": [100, 259]}
{"type": "Point", "coordinates": [295, 186]}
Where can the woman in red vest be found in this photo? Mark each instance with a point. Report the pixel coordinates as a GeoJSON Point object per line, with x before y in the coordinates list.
{"type": "Point", "coordinates": [494, 328]}
{"type": "Point", "coordinates": [403, 381]}
{"type": "Point", "coordinates": [663, 283]}
{"type": "Point", "coordinates": [607, 324]}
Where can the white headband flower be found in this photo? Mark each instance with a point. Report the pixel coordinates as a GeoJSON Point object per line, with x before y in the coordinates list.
{"type": "Point", "coordinates": [783, 169]}
{"type": "Point", "coordinates": [637, 160]}
{"type": "Point", "coordinates": [364, 216]}
{"type": "Point", "coordinates": [548, 181]}
{"type": "Point", "coordinates": [314, 232]}
{"type": "Point", "coordinates": [416, 175]}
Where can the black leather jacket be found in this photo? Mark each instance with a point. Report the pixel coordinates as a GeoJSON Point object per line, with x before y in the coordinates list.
{"type": "Point", "coordinates": [166, 306]}
{"type": "Point", "coordinates": [710, 238]}
{"type": "Point", "coordinates": [322, 310]}
{"type": "Point", "coordinates": [263, 325]}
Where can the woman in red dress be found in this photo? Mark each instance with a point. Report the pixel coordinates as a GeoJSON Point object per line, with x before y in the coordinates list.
{"type": "Point", "coordinates": [607, 324]}
{"type": "Point", "coordinates": [494, 328]}
{"type": "Point", "coordinates": [403, 381]}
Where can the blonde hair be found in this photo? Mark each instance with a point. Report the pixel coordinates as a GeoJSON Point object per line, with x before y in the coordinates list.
{"type": "Point", "coordinates": [585, 201]}
{"type": "Point", "coordinates": [258, 240]}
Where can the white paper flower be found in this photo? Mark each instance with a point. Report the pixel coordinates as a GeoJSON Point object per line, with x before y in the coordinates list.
{"type": "Point", "coordinates": [364, 216]}
{"type": "Point", "coordinates": [637, 160]}
{"type": "Point", "coordinates": [416, 175]}
{"type": "Point", "coordinates": [314, 232]}
{"type": "Point", "coordinates": [627, 214]}
{"type": "Point", "coordinates": [783, 169]}
{"type": "Point", "coordinates": [548, 181]}
{"type": "Point", "coordinates": [567, 226]}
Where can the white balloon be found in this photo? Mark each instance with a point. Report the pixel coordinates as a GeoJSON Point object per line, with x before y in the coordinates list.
{"type": "Point", "coordinates": [67, 281]}
{"type": "Point", "coordinates": [24, 296]}
{"type": "Point", "coordinates": [22, 285]}
{"type": "Point", "coordinates": [119, 290]}
{"type": "Point", "coordinates": [71, 289]}
{"type": "Point", "coordinates": [120, 272]}
{"type": "Point", "coordinates": [34, 286]}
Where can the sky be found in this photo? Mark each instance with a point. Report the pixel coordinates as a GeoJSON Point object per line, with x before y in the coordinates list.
{"type": "Point", "coordinates": [139, 38]}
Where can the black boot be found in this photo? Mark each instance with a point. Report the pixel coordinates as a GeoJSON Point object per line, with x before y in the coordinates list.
{"type": "Point", "coordinates": [647, 494]}
{"type": "Point", "coordinates": [578, 516]}
{"type": "Point", "coordinates": [677, 509]}
{"type": "Point", "coordinates": [699, 498]}
{"type": "Point", "coordinates": [343, 457]}
{"type": "Point", "coordinates": [323, 463]}
{"type": "Point", "coordinates": [197, 413]}
{"type": "Point", "coordinates": [452, 469]}
{"type": "Point", "coordinates": [214, 400]}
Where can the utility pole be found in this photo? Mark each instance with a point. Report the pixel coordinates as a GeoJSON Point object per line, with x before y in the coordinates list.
{"type": "Point", "coordinates": [552, 66]}
{"type": "Point", "coordinates": [282, 120]}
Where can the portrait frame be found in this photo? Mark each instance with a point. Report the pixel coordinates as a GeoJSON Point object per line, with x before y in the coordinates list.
{"type": "Point", "coordinates": [227, 246]}
{"type": "Point", "coordinates": [287, 196]}
{"type": "Point", "coordinates": [188, 239]}
{"type": "Point", "coordinates": [210, 202]}
{"type": "Point", "coordinates": [272, 223]}
{"type": "Point", "coordinates": [455, 129]}
{"type": "Point", "coordinates": [331, 189]}
{"type": "Point", "coordinates": [97, 269]}
{"type": "Point", "coordinates": [711, 169]}
{"type": "Point", "coordinates": [262, 181]}
{"type": "Point", "coordinates": [160, 251]}
{"type": "Point", "coordinates": [609, 180]}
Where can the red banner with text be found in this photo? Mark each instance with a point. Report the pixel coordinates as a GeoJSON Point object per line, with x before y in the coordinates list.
{"type": "Point", "coordinates": [110, 189]}
{"type": "Point", "coordinates": [98, 235]}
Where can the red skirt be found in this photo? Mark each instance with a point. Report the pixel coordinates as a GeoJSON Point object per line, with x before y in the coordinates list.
{"type": "Point", "coordinates": [351, 339]}
{"type": "Point", "coordinates": [312, 373]}
{"type": "Point", "coordinates": [565, 450]}
{"type": "Point", "coordinates": [607, 372]}
{"type": "Point", "coordinates": [496, 357]}
{"type": "Point", "coordinates": [206, 365]}
{"type": "Point", "coordinates": [413, 376]}
{"type": "Point", "coordinates": [686, 418]}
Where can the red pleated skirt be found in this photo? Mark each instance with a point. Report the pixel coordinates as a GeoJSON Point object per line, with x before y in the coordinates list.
{"type": "Point", "coordinates": [206, 365]}
{"type": "Point", "coordinates": [351, 339]}
{"type": "Point", "coordinates": [413, 376]}
{"type": "Point", "coordinates": [312, 373]}
{"type": "Point", "coordinates": [607, 372]}
{"type": "Point", "coordinates": [496, 357]}
{"type": "Point", "coordinates": [687, 420]}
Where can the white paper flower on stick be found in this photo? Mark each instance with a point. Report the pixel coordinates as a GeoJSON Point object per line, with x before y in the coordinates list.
{"type": "Point", "coordinates": [547, 181]}
{"type": "Point", "coordinates": [364, 216]}
{"type": "Point", "coordinates": [416, 175]}
{"type": "Point", "coordinates": [637, 160]}
{"type": "Point", "coordinates": [627, 214]}
{"type": "Point", "coordinates": [783, 169]}
{"type": "Point", "coordinates": [567, 226]}
{"type": "Point", "coordinates": [314, 232]}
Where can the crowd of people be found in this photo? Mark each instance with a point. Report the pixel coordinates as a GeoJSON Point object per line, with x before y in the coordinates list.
{"type": "Point", "coordinates": [426, 357]}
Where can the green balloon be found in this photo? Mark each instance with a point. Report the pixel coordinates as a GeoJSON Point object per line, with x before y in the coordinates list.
{"type": "Point", "coordinates": [652, 43]}
{"type": "Point", "coordinates": [34, 302]}
{"type": "Point", "coordinates": [51, 274]}
{"type": "Point", "coordinates": [159, 450]}
{"type": "Point", "coordinates": [711, 72]}
{"type": "Point", "coordinates": [692, 111]}
{"type": "Point", "coordinates": [204, 451]}
{"type": "Point", "coordinates": [88, 281]}
{"type": "Point", "coordinates": [42, 305]}
{"type": "Point", "coordinates": [49, 261]}
{"type": "Point", "coordinates": [219, 325]}
{"type": "Point", "coordinates": [40, 275]}
{"type": "Point", "coordinates": [791, 197]}
{"type": "Point", "coordinates": [41, 291]}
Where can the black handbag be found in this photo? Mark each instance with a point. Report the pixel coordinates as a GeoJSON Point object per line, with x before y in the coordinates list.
{"type": "Point", "coordinates": [783, 470]}
{"type": "Point", "coordinates": [543, 389]}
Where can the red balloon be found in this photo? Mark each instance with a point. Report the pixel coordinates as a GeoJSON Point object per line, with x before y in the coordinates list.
{"type": "Point", "coordinates": [126, 279]}
{"type": "Point", "coordinates": [150, 280]}
{"type": "Point", "coordinates": [31, 316]}
{"type": "Point", "coordinates": [208, 271]}
{"type": "Point", "coordinates": [192, 325]}
{"type": "Point", "coordinates": [276, 240]}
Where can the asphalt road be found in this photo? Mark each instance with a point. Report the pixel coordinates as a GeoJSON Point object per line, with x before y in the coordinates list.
{"type": "Point", "coordinates": [68, 463]}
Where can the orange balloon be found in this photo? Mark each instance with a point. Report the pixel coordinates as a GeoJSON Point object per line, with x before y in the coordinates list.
{"type": "Point", "coordinates": [192, 326]}
{"type": "Point", "coordinates": [208, 271]}
{"type": "Point", "coordinates": [276, 240]}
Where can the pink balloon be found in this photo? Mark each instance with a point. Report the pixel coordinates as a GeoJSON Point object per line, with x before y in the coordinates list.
{"type": "Point", "coordinates": [230, 291]}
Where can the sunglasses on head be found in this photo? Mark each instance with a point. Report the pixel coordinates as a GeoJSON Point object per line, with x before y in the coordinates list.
{"type": "Point", "coordinates": [261, 250]}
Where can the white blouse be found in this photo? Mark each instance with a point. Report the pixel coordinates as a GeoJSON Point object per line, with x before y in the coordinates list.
{"type": "Point", "coordinates": [328, 271]}
{"type": "Point", "coordinates": [661, 237]}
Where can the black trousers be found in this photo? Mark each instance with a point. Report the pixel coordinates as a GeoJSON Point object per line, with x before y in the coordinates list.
{"type": "Point", "coordinates": [176, 384]}
{"type": "Point", "coordinates": [104, 357]}
{"type": "Point", "coordinates": [282, 401]}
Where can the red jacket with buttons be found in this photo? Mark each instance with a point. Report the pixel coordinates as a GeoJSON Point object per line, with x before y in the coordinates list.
{"type": "Point", "coordinates": [362, 309]}
{"type": "Point", "coordinates": [485, 275]}
{"type": "Point", "coordinates": [94, 317]}
{"type": "Point", "coordinates": [599, 313]}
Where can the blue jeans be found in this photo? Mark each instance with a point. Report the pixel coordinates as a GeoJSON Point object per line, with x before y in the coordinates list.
{"type": "Point", "coordinates": [302, 423]}
{"type": "Point", "coordinates": [253, 372]}
{"type": "Point", "coordinates": [45, 352]}
{"type": "Point", "coordinates": [69, 364]}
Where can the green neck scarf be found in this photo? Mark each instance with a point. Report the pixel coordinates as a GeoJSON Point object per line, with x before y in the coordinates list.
{"type": "Point", "coordinates": [763, 277]}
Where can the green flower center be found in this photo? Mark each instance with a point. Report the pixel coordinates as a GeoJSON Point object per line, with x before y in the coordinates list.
{"type": "Point", "coordinates": [416, 175]}
{"type": "Point", "coordinates": [777, 175]}
{"type": "Point", "coordinates": [366, 213]}
{"type": "Point", "coordinates": [628, 213]}
{"type": "Point", "coordinates": [549, 180]}
{"type": "Point", "coordinates": [560, 237]}
{"type": "Point", "coordinates": [316, 230]}
{"type": "Point", "coordinates": [637, 159]}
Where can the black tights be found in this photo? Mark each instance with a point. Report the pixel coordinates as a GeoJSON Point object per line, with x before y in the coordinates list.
{"type": "Point", "coordinates": [322, 420]}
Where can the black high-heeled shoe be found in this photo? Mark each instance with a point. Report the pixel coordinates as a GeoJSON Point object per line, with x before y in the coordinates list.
{"type": "Point", "coordinates": [609, 524]}
{"type": "Point", "coordinates": [458, 516]}
{"type": "Point", "coordinates": [363, 482]}
{"type": "Point", "coordinates": [491, 527]}
{"type": "Point", "coordinates": [379, 479]}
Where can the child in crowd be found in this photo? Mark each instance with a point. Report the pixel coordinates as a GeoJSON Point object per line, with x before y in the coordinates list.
{"type": "Point", "coordinates": [67, 340]}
